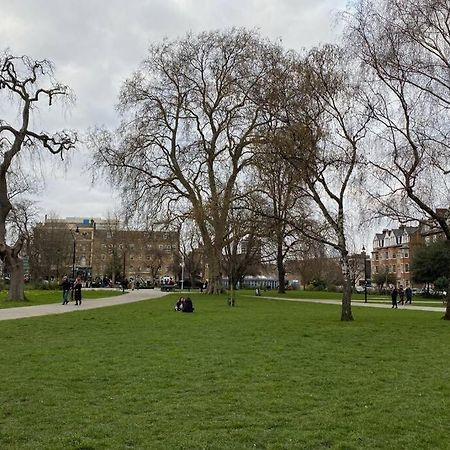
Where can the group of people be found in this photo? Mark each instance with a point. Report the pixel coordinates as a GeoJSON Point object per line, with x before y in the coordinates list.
{"type": "Point", "coordinates": [67, 286]}
{"type": "Point", "coordinates": [184, 304]}
{"type": "Point", "coordinates": [401, 294]}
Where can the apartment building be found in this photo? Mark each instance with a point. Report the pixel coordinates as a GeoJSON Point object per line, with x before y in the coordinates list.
{"type": "Point", "coordinates": [96, 247]}
{"type": "Point", "coordinates": [393, 250]}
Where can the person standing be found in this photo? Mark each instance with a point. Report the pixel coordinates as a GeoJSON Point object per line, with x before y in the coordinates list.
{"type": "Point", "coordinates": [394, 295]}
{"type": "Point", "coordinates": [65, 285]}
{"type": "Point", "coordinates": [77, 291]}
{"type": "Point", "coordinates": [401, 295]}
{"type": "Point", "coordinates": [409, 294]}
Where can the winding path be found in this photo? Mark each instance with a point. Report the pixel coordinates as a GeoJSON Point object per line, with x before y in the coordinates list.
{"type": "Point", "coordinates": [57, 308]}
{"type": "Point", "coordinates": [359, 303]}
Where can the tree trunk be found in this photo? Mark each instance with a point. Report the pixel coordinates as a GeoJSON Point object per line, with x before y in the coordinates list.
{"type": "Point", "coordinates": [447, 309]}
{"type": "Point", "coordinates": [214, 274]}
{"type": "Point", "coordinates": [281, 270]}
{"type": "Point", "coordinates": [346, 312]}
{"type": "Point", "coordinates": [15, 267]}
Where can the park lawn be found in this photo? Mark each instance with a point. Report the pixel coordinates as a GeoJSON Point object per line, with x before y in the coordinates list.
{"type": "Point", "coordinates": [44, 297]}
{"type": "Point", "coordinates": [265, 375]}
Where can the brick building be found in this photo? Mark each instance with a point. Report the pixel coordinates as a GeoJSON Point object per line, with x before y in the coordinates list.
{"type": "Point", "coordinates": [393, 250]}
{"type": "Point", "coordinates": [97, 248]}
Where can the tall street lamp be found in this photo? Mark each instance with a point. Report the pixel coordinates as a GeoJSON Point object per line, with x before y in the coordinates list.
{"type": "Point", "coordinates": [365, 274]}
{"type": "Point", "coordinates": [74, 251]}
{"type": "Point", "coordinates": [182, 273]}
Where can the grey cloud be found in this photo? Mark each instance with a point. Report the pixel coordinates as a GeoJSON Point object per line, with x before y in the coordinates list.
{"type": "Point", "coordinates": [96, 44]}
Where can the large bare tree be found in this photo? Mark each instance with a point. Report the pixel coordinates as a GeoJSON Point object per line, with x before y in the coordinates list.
{"type": "Point", "coordinates": [25, 83]}
{"type": "Point", "coordinates": [191, 114]}
{"type": "Point", "coordinates": [322, 126]}
{"type": "Point", "coordinates": [404, 50]}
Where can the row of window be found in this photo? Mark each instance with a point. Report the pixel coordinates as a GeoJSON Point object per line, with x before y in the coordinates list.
{"type": "Point", "coordinates": [385, 255]}
{"type": "Point", "coordinates": [394, 268]}
{"type": "Point", "coordinates": [148, 246]}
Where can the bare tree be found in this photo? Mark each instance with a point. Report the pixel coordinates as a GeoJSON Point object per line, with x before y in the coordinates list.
{"type": "Point", "coordinates": [404, 50]}
{"type": "Point", "coordinates": [28, 83]}
{"type": "Point", "coordinates": [279, 205]}
{"type": "Point", "coordinates": [243, 247]}
{"type": "Point", "coordinates": [191, 114]}
{"type": "Point", "coordinates": [50, 250]}
{"type": "Point", "coordinates": [322, 126]}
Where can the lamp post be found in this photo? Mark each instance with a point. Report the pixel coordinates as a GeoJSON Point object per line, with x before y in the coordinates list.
{"type": "Point", "coordinates": [182, 273]}
{"type": "Point", "coordinates": [365, 274]}
{"type": "Point", "coordinates": [74, 251]}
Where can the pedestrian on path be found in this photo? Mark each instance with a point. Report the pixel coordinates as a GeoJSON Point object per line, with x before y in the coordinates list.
{"type": "Point", "coordinates": [409, 294]}
{"type": "Point", "coordinates": [65, 285]}
{"type": "Point", "coordinates": [77, 291]}
{"type": "Point", "coordinates": [401, 295]}
{"type": "Point", "coordinates": [394, 294]}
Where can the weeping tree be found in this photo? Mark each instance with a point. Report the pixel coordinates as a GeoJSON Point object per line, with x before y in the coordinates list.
{"type": "Point", "coordinates": [190, 116]}
{"type": "Point", "coordinates": [320, 128]}
{"type": "Point", "coordinates": [404, 51]}
{"type": "Point", "coordinates": [26, 84]}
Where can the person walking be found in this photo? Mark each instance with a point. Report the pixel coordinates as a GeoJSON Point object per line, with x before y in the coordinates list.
{"type": "Point", "coordinates": [394, 295]}
{"type": "Point", "coordinates": [65, 285]}
{"type": "Point", "coordinates": [409, 294]}
{"type": "Point", "coordinates": [77, 291]}
{"type": "Point", "coordinates": [401, 295]}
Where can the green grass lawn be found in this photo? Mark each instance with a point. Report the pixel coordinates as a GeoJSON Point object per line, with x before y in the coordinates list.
{"type": "Point", "coordinates": [44, 297]}
{"type": "Point", "coordinates": [265, 375]}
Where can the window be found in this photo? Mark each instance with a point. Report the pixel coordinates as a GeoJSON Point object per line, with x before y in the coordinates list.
{"type": "Point", "coordinates": [406, 267]}
{"type": "Point", "coordinates": [376, 256]}
{"type": "Point", "coordinates": [394, 255]}
{"type": "Point", "coordinates": [386, 255]}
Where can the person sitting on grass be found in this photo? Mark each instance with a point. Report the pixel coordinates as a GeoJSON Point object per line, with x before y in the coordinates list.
{"type": "Point", "coordinates": [187, 305]}
{"type": "Point", "coordinates": [179, 304]}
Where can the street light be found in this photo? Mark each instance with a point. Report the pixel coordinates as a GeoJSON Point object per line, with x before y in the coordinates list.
{"type": "Point", "coordinates": [365, 274]}
{"type": "Point", "coordinates": [182, 273]}
{"type": "Point", "coordinates": [74, 251]}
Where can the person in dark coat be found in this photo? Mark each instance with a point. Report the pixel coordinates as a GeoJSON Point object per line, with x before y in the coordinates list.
{"type": "Point", "coordinates": [409, 294]}
{"type": "Point", "coordinates": [187, 305]}
{"type": "Point", "coordinates": [179, 304]}
{"type": "Point", "coordinates": [401, 295]}
{"type": "Point", "coordinates": [394, 295]}
{"type": "Point", "coordinates": [65, 285]}
{"type": "Point", "coordinates": [77, 291]}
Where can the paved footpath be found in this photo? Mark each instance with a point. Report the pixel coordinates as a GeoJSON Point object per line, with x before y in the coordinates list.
{"type": "Point", "coordinates": [58, 308]}
{"type": "Point", "coordinates": [359, 303]}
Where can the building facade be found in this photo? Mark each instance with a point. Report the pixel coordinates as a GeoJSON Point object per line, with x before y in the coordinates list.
{"type": "Point", "coordinates": [99, 248]}
{"type": "Point", "coordinates": [393, 250]}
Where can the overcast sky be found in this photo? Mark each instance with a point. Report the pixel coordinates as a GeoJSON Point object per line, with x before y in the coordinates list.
{"type": "Point", "coordinates": [96, 44]}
